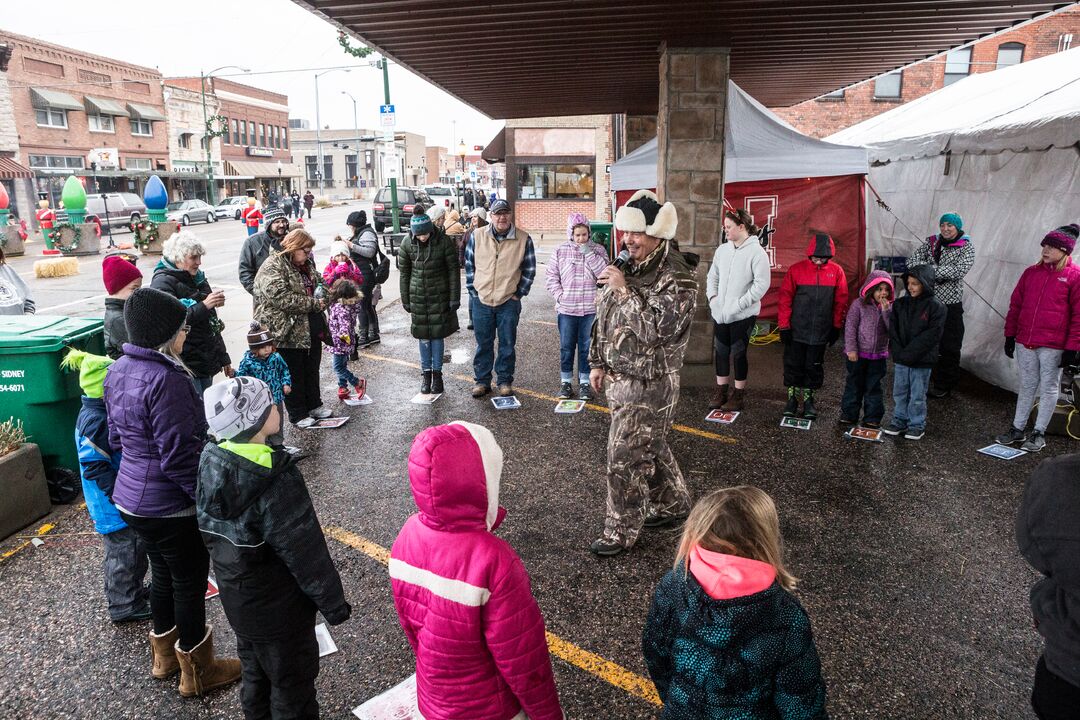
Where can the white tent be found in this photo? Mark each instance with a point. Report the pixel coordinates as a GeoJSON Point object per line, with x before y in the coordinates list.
{"type": "Point", "coordinates": [758, 145]}
{"type": "Point", "coordinates": [1000, 148]}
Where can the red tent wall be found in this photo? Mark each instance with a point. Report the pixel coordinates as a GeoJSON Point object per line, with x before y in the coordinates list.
{"type": "Point", "coordinates": [796, 210]}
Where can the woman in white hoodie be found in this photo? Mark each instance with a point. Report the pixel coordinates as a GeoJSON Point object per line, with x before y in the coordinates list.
{"type": "Point", "coordinates": [738, 279]}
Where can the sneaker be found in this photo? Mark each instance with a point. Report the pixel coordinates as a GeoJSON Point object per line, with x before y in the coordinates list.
{"type": "Point", "coordinates": [606, 548]}
{"type": "Point", "coordinates": [321, 412]}
{"type": "Point", "coordinates": [566, 391]}
{"type": "Point", "coordinates": [872, 425]}
{"type": "Point", "coordinates": [305, 423]}
{"type": "Point", "coordinates": [894, 429]}
{"type": "Point", "coordinates": [505, 390]}
{"type": "Point", "coordinates": [1035, 443]}
{"type": "Point", "coordinates": [657, 521]}
{"type": "Point", "coordinates": [480, 390]}
{"type": "Point", "coordinates": [914, 434]}
{"type": "Point", "coordinates": [585, 392]}
{"type": "Point", "coordinates": [137, 616]}
{"type": "Point", "coordinates": [1013, 436]}
{"type": "Point", "coordinates": [361, 388]}
{"type": "Point", "coordinates": [374, 340]}
{"type": "Point", "coordinates": [844, 420]}
{"type": "Point", "coordinates": [343, 393]}
{"type": "Point", "coordinates": [937, 393]}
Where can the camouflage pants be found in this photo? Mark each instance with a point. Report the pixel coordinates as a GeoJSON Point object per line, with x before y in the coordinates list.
{"type": "Point", "coordinates": [643, 476]}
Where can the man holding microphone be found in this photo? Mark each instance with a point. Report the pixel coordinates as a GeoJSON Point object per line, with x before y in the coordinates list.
{"type": "Point", "coordinates": [638, 344]}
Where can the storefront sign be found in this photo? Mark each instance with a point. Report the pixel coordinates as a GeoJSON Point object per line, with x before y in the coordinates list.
{"type": "Point", "coordinates": [104, 157]}
{"type": "Point", "coordinates": [259, 152]}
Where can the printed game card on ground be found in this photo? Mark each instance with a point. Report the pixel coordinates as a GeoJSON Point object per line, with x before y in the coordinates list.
{"type": "Point", "coordinates": [719, 416]}
{"type": "Point", "coordinates": [366, 400]}
{"type": "Point", "coordinates": [863, 433]}
{"type": "Point", "coordinates": [797, 423]}
{"type": "Point", "coordinates": [422, 399]}
{"type": "Point", "coordinates": [506, 403]}
{"type": "Point", "coordinates": [327, 646]}
{"type": "Point", "coordinates": [331, 422]}
{"type": "Point", "coordinates": [1002, 452]}
{"type": "Point", "coordinates": [211, 588]}
{"type": "Point", "coordinates": [397, 703]}
{"type": "Point", "coordinates": [569, 407]}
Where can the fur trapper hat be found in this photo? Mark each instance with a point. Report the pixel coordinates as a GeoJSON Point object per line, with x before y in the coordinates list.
{"type": "Point", "coordinates": [644, 213]}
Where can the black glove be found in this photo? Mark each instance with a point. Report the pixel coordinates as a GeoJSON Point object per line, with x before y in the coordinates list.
{"type": "Point", "coordinates": [406, 308]}
{"type": "Point", "coordinates": [1068, 358]}
{"type": "Point", "coordinates": [338, 615]}
{"type": "Point", "coordinates": [454, 306]}
{"type": "Point", "coordinates": [834, 335]}
{"type": "Point", "coordinates": [1010, 346]}
{"type": "Point", "coordinates": [785, 335]}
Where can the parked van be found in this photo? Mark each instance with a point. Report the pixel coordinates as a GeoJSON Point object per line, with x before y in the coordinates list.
{"type": "Point", "coordinates": [123, 208]}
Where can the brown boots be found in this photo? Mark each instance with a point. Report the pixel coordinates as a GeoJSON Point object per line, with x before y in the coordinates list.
{"type": "Point", "coordinates": [736, 402]}
{"type": "Point", "coordinates": [719, 397]}
{"type": "Point", "coordinates": [199, 670]}
{"type": "Point", "coordinates": [165, 663]}
{"type": "Point", "coordinates": [727, 399]}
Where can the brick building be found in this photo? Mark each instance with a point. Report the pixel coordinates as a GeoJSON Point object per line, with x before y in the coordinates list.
{"type": "Point", "coordinates": [187, 143]}
{"type": "Point", "coordinates": [257, 145]}
{"type": "Point", "coordinates": [349, 173]}
{"type": "Point", "coordinates": [438, 165]}
{"type": "Point", "coordinates": [75, 113]}
{"type": "Point", "coordinates": [831, 113]}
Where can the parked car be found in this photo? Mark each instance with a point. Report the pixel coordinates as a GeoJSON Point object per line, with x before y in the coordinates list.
{"type": "Point", "coordinates": [123, 208]}
{"type": "Point", "coordinates": [407, 199]}
{"type": "Point", "coordinates": [441, 192]}
{"type": "Point", "coordinates": [188, 211]}
{"type": "Point", "coordinates": [231, 206]}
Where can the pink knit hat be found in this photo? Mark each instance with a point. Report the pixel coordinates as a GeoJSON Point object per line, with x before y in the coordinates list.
{"type": "Point", "coordinates": [573, 220]}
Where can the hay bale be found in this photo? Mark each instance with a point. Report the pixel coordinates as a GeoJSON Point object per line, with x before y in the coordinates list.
{"type": "Point", "coordinates": [56, 267]}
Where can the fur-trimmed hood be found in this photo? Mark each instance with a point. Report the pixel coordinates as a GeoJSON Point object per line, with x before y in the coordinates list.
{"type": "Point", "coordinates": [644, 213]}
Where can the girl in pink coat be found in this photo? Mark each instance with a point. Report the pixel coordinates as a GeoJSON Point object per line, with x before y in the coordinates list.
{"type": "Point", "coordinates": [1042, 329]}
{"type": "Point", "coordinates": [462, 594]}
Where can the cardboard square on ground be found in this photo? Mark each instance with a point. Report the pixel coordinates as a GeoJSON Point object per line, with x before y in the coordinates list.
{"type": "Point", "coordinates": [506, 403]}
{"type": "Point", "coordinates": [366, 400]}
{"type": "Point", "coordinates": [330, 422]}
{"type": "Point", "coordinates": [211, 588]}
{"type": "Point", "coordinates": [327, 646]}
{"type": "Point", "coordinates": [796, 423]}
{"type": "Point", "coordinates": [865, 433]}
{"type": "Point", "coordinates": [397, 703]}
{"type": "Point", "coordinates": [1002, 452]}
{"type": "Point", "coordinates": [569, 407]}
{"type": "Point", "coordinates": [422, 399]}
{"type": "Point", "coordinates": [719, 416]}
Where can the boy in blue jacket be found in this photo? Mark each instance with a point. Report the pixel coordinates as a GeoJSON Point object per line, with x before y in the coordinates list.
{"type": "Point", "coordinates": [125, 562]}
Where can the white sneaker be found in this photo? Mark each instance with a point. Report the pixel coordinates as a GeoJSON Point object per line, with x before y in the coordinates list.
{"type": "Point", "coordinates": [306, 422]}
{"type": "Point", "coordinates": [321, 412]}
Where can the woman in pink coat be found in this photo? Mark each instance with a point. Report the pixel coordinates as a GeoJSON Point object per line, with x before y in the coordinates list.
{"type": "Point", "coordinates": [462, 594]}
{"type": "Point", "coordinates": [1043, 330]}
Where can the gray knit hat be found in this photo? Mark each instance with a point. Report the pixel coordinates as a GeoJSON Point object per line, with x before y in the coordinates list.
{"type": "Point", "coordinates": [273, 213]}
{"type": "Point", "coordinates": [236, 409]}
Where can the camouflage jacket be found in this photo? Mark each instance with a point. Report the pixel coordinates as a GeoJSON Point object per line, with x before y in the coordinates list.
{"type": "Point", "coordinates": [643, 329]}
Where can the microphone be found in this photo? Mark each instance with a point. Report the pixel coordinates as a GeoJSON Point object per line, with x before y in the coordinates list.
{"type": "Point", "coordinates": [621, 261]}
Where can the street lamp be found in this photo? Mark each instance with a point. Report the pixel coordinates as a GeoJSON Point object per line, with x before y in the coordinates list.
{"type": "Point", "coordinates": [206, 129]}
{"type": "Point", "coordinates": [318, 122]}
{"type": "Point", "coordinates": [461, 153]}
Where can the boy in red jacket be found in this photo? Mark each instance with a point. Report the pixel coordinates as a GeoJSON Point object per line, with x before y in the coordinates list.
{"type": "Point", "coordinates": [812, 301]}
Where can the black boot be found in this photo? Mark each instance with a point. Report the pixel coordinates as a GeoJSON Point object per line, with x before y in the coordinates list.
{"type": "Point", "coordinates": [362, 341]}
{"type": "Point", "coordinates": [425, 389]}
{"type": "Point", "coordinates": [436, 382]}
{"type": "Point", "coordinates": [808, 410]}
{"type": "Point", "coordinates": [792, 407]}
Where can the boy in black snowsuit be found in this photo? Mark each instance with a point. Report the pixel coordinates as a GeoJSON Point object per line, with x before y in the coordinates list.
{"type": "Point", "coordinates": [270, 557]}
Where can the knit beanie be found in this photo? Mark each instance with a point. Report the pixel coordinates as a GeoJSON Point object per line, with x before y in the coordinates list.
{"type": "Point", "coordinates": [953, 219]}
{"type": "Point", "coordinates": [339, 247]}
{"type": "Point", "coordinates": [1064, 238]}
{"type": "Point", "coordinates": [273, 213]}
{"type": "Point", "coordinates": [118, 273]}
{"type": "Point", "coordinates": [153, 317]}
{"type": "Point", "coordinates": [258, 335]}
{"type": "Point", "coordinates": [91, 371]}
{"type": "Point", "coordinates": [237, 408]}
{"type": "Point", "coordinates": [479, 213]}
{"type": "Point", "coordinates": [421, 225]}
{"type": "Point", "coordinates": [575, 219]}
{"type": "Point", "coordinates": [356, 219]}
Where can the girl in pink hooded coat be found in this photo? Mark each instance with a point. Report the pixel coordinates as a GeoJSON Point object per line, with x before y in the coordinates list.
{"type": "Point", "coordinates": [462, 594]}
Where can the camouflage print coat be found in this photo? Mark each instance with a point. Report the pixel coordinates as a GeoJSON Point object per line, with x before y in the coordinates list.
{"type": "Point", "coordinates": [642, 330]}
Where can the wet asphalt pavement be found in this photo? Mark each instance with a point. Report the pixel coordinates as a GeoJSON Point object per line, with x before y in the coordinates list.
{"type": "Point", "coordinates": [909, 568]}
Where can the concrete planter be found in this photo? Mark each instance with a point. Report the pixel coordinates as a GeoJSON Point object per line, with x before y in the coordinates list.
{"type": "Point", "coordinates": [89, 244]}
{"type": "Point", "coordinates": [23, 487]}
{"type": "Point", "coordinates": [12, 243]}
{"type": "Point", "coordinates": [166, 230]}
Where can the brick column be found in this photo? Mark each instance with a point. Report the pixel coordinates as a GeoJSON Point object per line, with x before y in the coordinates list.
{"type": "Point", "coordinates": [690, 171]}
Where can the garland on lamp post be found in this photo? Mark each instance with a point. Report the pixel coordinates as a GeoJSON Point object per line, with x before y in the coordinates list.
{"type": "Point", "coordinates": [145, 233]}
{"type": "Point", "coordinates": [359, 52]}
{"type": "Point", "coordinates": [55, 234]}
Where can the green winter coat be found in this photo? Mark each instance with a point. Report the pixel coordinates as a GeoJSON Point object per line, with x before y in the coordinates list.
{"type": "Point", "coordinates": [430, 285]}
{"type": "Point", "coordinates": [282, 304]}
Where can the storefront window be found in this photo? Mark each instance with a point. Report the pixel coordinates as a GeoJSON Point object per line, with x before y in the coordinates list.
{"type": "Point", "coordinates": [137, 164]}
{"type": "Point", "coordinates": [56, 161]}
{"type": "Point", "coordinates": [540, 182]}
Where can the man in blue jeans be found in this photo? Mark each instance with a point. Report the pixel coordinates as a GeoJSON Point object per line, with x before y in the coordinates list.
{"type": "Point", "coordinates": [500, 265]}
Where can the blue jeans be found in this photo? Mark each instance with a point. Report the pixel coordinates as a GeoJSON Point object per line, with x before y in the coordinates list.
{"type": "Point", "coordinates": [431, 352]}
{"type": "Point", "coordinates": [487, 322]}
{"type": "Point", "coordinates": [201, 384]}
{"type": "Point", "coordinates": [863, 390]}
{"type": "Point", "coordinates": [909, 396]}
{"type": "Point", "coordinates": [575, 333]}
{"type": "Point", "coordinates": [344, 377]}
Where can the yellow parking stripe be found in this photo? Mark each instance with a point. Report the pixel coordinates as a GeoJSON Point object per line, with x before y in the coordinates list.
{"type": "Point", "coordinates": [541, 396]}
{"type": "Point", "coordinates": [43, 530]}
{"type": "Point", "coordinates": [591, 663]}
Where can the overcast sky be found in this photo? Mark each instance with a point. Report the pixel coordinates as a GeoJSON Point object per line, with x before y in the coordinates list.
{"type": "Point", "coordinates": [182, 38]}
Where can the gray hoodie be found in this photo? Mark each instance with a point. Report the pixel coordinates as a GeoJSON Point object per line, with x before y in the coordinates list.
{"type": "Point", "coordinates": [15, 297]}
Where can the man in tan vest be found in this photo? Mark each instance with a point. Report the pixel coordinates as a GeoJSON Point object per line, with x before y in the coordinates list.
{"type": "Point", "coordinates": [500, 265]}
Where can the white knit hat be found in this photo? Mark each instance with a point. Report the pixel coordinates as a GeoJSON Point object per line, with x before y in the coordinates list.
{"type": "Point", "coordinates": [237, 408]}
{"type": "Point", "coordinates": [339, 247]}
{"type": "Point", "coordinates": [435, 212]}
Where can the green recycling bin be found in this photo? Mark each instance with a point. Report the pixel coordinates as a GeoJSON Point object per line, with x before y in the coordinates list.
{"type": "Point", "coordinates": [601, 233]}
{"type": "Point", "coordinates": [34, 388]}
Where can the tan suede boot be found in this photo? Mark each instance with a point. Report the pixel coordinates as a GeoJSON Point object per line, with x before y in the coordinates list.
{"type": "Point", "coordinates": [165, 663]}
{"type": "Point", "coordinates": [719, 397]}
{"type": "Point", "coordinates": [201, 672]}
{"type": "Point", "coordinates": [737, 400]}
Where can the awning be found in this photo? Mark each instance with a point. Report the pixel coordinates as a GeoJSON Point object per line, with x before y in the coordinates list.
{"type": "Point", "coordinates": [145, 112]}
{"type": "Point", "coordinates": [104, 106]}
{"type": "Point", "coordinates": [42, 98]}
{"type": "Point", "coordinates": [11, 170]}
{"type": "Point", "coordinates": [495, 152]}
{"type": "Point", "coordinates": [257, 169]}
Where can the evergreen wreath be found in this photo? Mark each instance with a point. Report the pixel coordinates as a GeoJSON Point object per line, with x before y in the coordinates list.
{"type": "Point", "coordinates": [145, 232]}
{"type": "Point", "coordinates": [55, 235]}
{"type": "Point", "coordinates": [359, 52]}
{"type": "Point", "coordinates": [222, 128]}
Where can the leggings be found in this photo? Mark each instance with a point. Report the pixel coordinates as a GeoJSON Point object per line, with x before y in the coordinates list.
{"type": "Point", "coordinates": [731, 341]}
{"type": "Point", "coordinates": [1040, 377]}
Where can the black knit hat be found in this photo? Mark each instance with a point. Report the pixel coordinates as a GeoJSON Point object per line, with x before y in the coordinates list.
{"type": "Point", "coordinates": [356, 219]}
{"type": "Point", "coordinates": [153, 317]}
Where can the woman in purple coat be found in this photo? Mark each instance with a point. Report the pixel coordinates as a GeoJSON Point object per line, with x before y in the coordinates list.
{"type": "Point", "coordinates": [157, 422]}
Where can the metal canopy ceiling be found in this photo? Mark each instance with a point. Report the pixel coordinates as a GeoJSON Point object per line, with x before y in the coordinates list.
{"type": "Point", "coordinates": [576, 57]}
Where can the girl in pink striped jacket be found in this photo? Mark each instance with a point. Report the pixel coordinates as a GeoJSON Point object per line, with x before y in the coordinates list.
{"type": "Point", "coordinates": [462, 594]}
{"type": "Point", "coordinates": [571, 280]}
